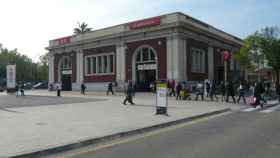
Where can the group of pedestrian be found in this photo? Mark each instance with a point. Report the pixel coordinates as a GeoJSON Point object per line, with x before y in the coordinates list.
{"type": "Point", "coordinates": [19, 90]}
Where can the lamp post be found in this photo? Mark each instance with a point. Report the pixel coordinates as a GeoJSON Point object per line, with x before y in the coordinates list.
{"type": "Point", "coordinates": [226, 57]}
{"type": "Point", "coordinates": [257, 54]}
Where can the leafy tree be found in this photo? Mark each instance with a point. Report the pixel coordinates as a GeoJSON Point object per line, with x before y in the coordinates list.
{"type": "Point", "coordinates": [268, 43]}
{"type": "Point", "coordinates": [26, 69]}
{"type": "Point", "coordinates": [82, 28]}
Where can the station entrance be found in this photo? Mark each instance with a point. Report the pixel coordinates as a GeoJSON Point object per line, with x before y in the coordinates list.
{"type": "Point", "coordinates": [66, 74]}
{"type": "Point", "coordinates": [146, 69]}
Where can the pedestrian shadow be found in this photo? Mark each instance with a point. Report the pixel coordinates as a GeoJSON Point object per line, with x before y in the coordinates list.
{"type": "Point", "coordinates": [153, 106]}
{"type": "Point", "coordinates": [12, 111]}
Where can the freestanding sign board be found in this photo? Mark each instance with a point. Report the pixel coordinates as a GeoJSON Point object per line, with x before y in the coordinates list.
{"type": "Point", "coordinates": [11, 77]}
{"type": "Point", "coordinates": [161, 98]}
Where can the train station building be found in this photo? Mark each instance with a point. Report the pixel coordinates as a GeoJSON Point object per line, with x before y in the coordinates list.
{"type": "Point", "coordinates": [173, 46]}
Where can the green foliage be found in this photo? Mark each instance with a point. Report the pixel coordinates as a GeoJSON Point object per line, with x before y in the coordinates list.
{"type": "Point", "coordinates": [268, 42]}
{"type": "Point", "coordinates": [26, 69]}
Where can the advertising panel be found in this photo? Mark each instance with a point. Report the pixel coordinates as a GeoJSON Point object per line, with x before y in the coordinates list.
{"type": "Point", "coordinates": [11, 76]}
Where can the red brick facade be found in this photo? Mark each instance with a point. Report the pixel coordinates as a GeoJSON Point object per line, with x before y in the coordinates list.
{"type": "Point", "coordinates": [100, 78]}
{"type": "Point", "coordinates": [58, 57]}
{"type": "Point", "coordinates": [159, 45]}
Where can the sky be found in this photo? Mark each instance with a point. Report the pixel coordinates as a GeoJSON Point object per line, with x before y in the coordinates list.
{"type": "Point", "coordinates": [28, 25]}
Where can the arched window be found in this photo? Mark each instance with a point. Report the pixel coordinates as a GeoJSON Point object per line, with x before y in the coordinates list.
{"type": "Point", "coordinates": [66, 63]}
{"type": "Point", "coordinates": [145, 54]}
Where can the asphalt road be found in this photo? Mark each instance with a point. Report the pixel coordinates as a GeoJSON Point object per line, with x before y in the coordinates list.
{"type": "Point", "coordinates": [236, 135]}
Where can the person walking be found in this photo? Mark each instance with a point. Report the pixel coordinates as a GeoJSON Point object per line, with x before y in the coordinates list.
{"type": "Point", "coordinates": [58, 89]}
{"type": "Point", "coordinates": [83, 88]}
{"type": "Point", "coordinates": [178, 90]}
{"type": "Point", "coordinates": [258, 91]}
{"type": "Point", "coordinates": [110, 88]}
{"type": "Point", "coordinates": [17, 90]}
{"type": "Point", "coordinates": [230, 92]}
{"type": "Point", "coordinates": [22, 89]}
{"type": "Point", "coordinates": [199, 91]}
{"type": "Point", "coordinates": [222, 88]}
{"type": "Point", "coordinates": [172, 85]}
{"type": "Point", "coordinates": [129, 94]}
{"type": "Point", "coordinates": [241, 91]}
{"type": "Point", "coordinates": [212, 91]}
{"type": "Point", "coordinates": [207, 84]}
{"type": "Point", "coordinates": [278, 91]}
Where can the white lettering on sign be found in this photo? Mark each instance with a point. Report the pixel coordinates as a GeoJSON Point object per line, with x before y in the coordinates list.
{"type": "Point", "coordinates": [67, 72]}
{"type": "Point", "coordinates": [147, 67]}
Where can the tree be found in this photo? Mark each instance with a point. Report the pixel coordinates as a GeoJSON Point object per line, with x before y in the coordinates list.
{"type": "Point", "coordinates": [267, 41]}
{"type": "Point", "coordinates": [82, 28]}
{"type": "Point", "coordinates": [270, 43]}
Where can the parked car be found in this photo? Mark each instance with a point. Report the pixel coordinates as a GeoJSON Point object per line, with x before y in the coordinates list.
{"type": "Point", "coordinates": [41, 85]}
{"type": "Point", "coordinates": [28, 85]}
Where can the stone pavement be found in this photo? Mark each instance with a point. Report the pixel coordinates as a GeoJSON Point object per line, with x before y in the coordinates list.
{"type": "Point", "coordinates": [28, 129]}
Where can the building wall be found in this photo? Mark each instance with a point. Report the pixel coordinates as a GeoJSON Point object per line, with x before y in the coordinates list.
{"type": "Point", "coordinates": [100, 78]}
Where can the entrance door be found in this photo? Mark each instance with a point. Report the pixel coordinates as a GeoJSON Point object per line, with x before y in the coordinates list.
{"type": "Point", "coordinates": [144, 79]}
{"type": "Point", "coordinates": [66, 83]}
{"type": "Point", "coordinates": [145, 68]}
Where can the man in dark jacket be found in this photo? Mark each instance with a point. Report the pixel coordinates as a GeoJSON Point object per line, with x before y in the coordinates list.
{"type": "Point", "coordinates": [83, 88]}
{"type": "Point", "coordinates": [110, 88]}
{"type": "Point", "coordinates": [278, 91]}
{"type": "Point", "coordinates": [230, 92]}
{"type": "Point", "coordinates": [199, 91]}
{"type": "Point", "coordinates": [258, 91]}
{"type": "Point", "coordinates": [222, 90]}
{"type": "Point", "coordinates": [178, 90]}
{"type": "Point", "coordinates": [129, 94]}
{"type": "Point", "coordinates": [241, 90]}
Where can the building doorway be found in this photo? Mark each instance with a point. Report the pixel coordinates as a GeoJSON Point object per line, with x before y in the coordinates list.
{"type": "Point", "coordinates": [145, 68]}
{"type": "Point", "coordinates": [66, 73]}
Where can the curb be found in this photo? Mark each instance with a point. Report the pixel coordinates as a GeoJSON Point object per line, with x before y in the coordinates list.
{"type": "Point", "coordinates": [64, 148]}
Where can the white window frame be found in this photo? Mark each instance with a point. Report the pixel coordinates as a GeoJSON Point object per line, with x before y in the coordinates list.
{"type": "Point", "coordinates": [198, 67]}
{"type": "Point", "coordinates": [97, 64]}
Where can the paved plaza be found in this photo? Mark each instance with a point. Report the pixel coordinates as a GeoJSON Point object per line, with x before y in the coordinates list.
{"type": "Point", "coordinates": [28, 124]}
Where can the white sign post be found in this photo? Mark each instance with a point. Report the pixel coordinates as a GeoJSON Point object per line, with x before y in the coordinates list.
{"type": "Point", "coordinates": [11, 77]}
{"type": "Point", "coordinates": [161, 98]}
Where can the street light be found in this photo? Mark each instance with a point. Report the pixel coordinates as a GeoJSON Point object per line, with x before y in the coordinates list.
{"type": "Point", "coordinates": [257, 52]}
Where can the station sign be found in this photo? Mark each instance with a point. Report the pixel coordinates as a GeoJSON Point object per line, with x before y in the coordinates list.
{"type": "Point", "coordinates": [147, 67]}
{"type": "Point", "coordinates": [144, 23]}
{"type": "Point", "coordinates": [67, 72]}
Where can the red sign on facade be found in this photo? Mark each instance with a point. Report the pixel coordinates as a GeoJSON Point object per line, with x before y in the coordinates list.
{"type": "Point", "coordinates": [144, 23]}
{"type": "Point", "coordinates": [64, 40]}
{"type": "Point", "coordinates": [226, 55]}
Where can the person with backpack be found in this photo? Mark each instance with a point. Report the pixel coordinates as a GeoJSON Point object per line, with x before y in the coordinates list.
{"type": "Point", "coordinates": [178, 90]}
{"type": "Point", "coordinates": [258, 91]}
{"type": "Point", "coordinates": [110, 88]}
{"type": "Point", "coordinates": [241, 90]}
{"type": "Point", "coordinates": [222, 88]}
{"type": "Point", "coordinates": [278, 91]}
{"type": "Point", "coordinates": [230, 92]}
{"type": "Point", "coordinates": [212, 91]}
{"type": "Point", "coordinates": [83, 88]}
{"type": "Point", "coordinates": [199, 91]}
{"type": "Point", "coordinates": [207, 84]}
{"type": "Point", "coordinates": [129, 94]}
